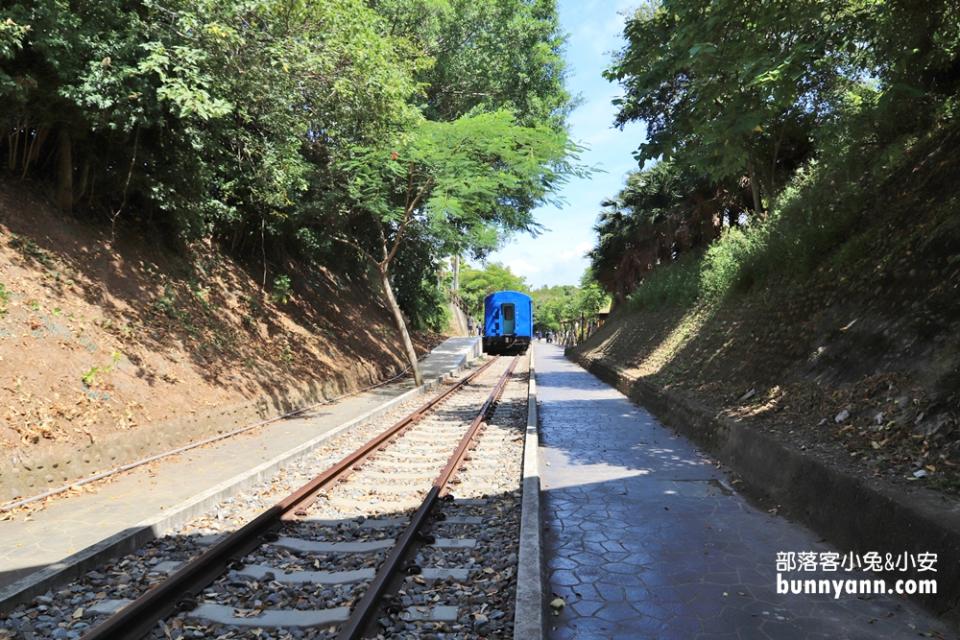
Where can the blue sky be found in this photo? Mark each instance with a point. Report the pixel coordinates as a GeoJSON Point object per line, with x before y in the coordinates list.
{"type": "Point", "coordinates": [556, 256]}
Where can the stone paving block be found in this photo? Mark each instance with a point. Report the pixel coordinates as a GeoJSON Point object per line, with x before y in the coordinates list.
{"type": "Point", "coordinates": [454, 543]}
{"type": "Point", "coordinates": [167, 566]}
{"type": "Point", "coordinates": [106, 607]}
{"type": "Point", "coordinates": [645, 538]}
{"type": "Point", "coordinates": [470, 502]}
{"type": "Point", "coordinates": [443, 573]}
{"type": "Point", "coordinates": [460, 520]}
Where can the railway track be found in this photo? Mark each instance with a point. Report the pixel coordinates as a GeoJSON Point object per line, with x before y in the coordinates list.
{"type": "Point", "coordinates": [376, 538]}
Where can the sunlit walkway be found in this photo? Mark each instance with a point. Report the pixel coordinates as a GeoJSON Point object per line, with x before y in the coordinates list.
{"type": "Point", "coordinates": [644, 539]}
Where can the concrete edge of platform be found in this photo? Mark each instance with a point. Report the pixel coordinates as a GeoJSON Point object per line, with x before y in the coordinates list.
{"type": "Point", "coordinates": [812, 491]}
{"type": "Point", "coordinates": [529, 610]}
{"type": "Point", "coordinates": [130, 539]}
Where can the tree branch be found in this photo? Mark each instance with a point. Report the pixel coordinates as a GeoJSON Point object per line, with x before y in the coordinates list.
{"type": "Point", "coordinates": [126, 186]}
{"type": "Point", "coordinates": [363, 251]}
{"type": "Point", "coordinates": [407, 217]}
{"type": "Point", "coordinates": [383, 245]}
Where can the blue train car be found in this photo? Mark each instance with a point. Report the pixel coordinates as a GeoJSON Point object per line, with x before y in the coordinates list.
{"type": "Point", "coordinates": [507, 322]}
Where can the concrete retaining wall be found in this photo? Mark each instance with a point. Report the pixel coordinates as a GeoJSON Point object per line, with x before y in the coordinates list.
{"type": "Point", "coordinates": [851, 513]}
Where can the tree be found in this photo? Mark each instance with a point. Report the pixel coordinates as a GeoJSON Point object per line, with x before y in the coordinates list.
{"type": "Point", "coordinates": [661, 212]}
{"type": "Point", "coordinates": [477, 284]}
{"type": "Point", "coordinates": [210, 117]}
{"type": "Point", "coordinates": [733, 88]}
{"type": "Point", "coordinates": [590, 297]}
{"type": "Point", "coordinates": [408, 129]}
{"type": "Point", "coordinates": [482, 56]}
{"type": "Point", "coordinates": [563, 304]}
{"type": "Point", "coordinates": [463, 183]}
{"type": "Point", "coordinates": [487, 55]}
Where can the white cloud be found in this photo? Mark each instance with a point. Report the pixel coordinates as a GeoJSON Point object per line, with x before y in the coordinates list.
{"type": "Point", "coordinates": [541, 261]}
{"type": "Point", "coordinates": [578, 251]}
{"type": "Point", "coordinates": [524, 268]}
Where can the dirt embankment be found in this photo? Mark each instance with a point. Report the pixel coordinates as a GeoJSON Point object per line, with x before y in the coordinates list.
{"type": "Point", "coordinates": [110, 352]}
{"type": "Point", "coordinates": [857, 363]}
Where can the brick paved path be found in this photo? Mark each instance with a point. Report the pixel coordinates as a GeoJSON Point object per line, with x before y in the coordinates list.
{"type": "Point", "coordinates": [644, 540]}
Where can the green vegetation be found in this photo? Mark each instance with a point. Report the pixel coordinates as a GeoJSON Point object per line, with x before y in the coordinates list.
{"type": "Point", "coordinates": [565, 304]}
{"type": "Point", "coordinates": [166, 303]}
{"type": "Point", "coordinates": [477, 284]}
{"type": "Point", "coordinates": [29, 249]}
{"type": "Point", "coordinates": [377, 137]}
{"type": "Point", "coordinates": [90, 377]}
{"type": "Point", "coordinates": [4, 299]}
{"type": "Point", "coordinates": [553, 306]}
{"type": "Point", "coordinates": [282, 288]}
{"type": "Point", "coordinates": [771, 130]}
{"type": "Point", "coordinates": [463, 184]}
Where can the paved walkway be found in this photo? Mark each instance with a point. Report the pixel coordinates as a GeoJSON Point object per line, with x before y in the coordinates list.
{"type": "Point", "coordinates": [74, 523]}
{"type": "Point", "coordinates": [644, 539]}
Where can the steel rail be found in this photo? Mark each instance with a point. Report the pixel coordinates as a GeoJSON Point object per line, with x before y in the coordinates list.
{"type": "Point", "coordinates": [22, 502]}
{"type": "Point", "coordinates": [180, 590]}
{"type": "Point", "coordinates": [360, 617]}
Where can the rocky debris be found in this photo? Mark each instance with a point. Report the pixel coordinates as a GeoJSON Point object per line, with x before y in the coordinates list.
{"type": "Point", "coordinates": [55, 613]}
{"type": "Point", "coordinates": [557, 605]}
{"type": "Point", "coordinates": [485, 601]}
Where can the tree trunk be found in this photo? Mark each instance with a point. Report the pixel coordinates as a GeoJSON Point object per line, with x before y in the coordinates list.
{"type": "Point", "coordinates": [65, 174]}
{"type": "Point", "coordinates": [84, 180]}
{"type": "Point", "coordinates": [14, 147]}
{"type": "Point", "coordinates": [755, 188]}
{"type": "Point", "coordinates": [401, 325]}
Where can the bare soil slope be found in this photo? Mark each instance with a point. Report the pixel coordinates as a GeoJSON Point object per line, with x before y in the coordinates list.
{"type": "Point", "coordinates": [109, 352]}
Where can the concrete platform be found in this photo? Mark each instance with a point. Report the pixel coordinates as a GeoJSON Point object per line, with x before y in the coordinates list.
{"type": "Point", "coordinates": [645, 538]}
{"type": "Point", "coordinates": [74, 523]}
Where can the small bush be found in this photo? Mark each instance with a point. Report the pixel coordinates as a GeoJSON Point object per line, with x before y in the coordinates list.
{"type": "Point", "coordinates": [725, 261]}
{"type": "Point", "coordinates": [282, 289]}
{"type": "Point", "coordinates": [30, 249]}
{"type": "Point", "coordinates": [90, 378]}
{"type": "Point", "coordinates": [166, 303]}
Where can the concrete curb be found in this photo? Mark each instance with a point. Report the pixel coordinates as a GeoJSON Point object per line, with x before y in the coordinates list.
{"type": "Point", "coordinates": [126, 541]}
{"type": "Point", "coordinates": [528, 614]}
{"type": "Point", "coordinates": [824, 498]}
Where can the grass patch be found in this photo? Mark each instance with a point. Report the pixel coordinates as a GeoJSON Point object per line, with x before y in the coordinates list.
{"type": "Point", "coordinates": [678, 285]}
{"type": "Point", "coordinates": [90, 377]}
{"type": "Point", "coordinates": [826, 215]}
